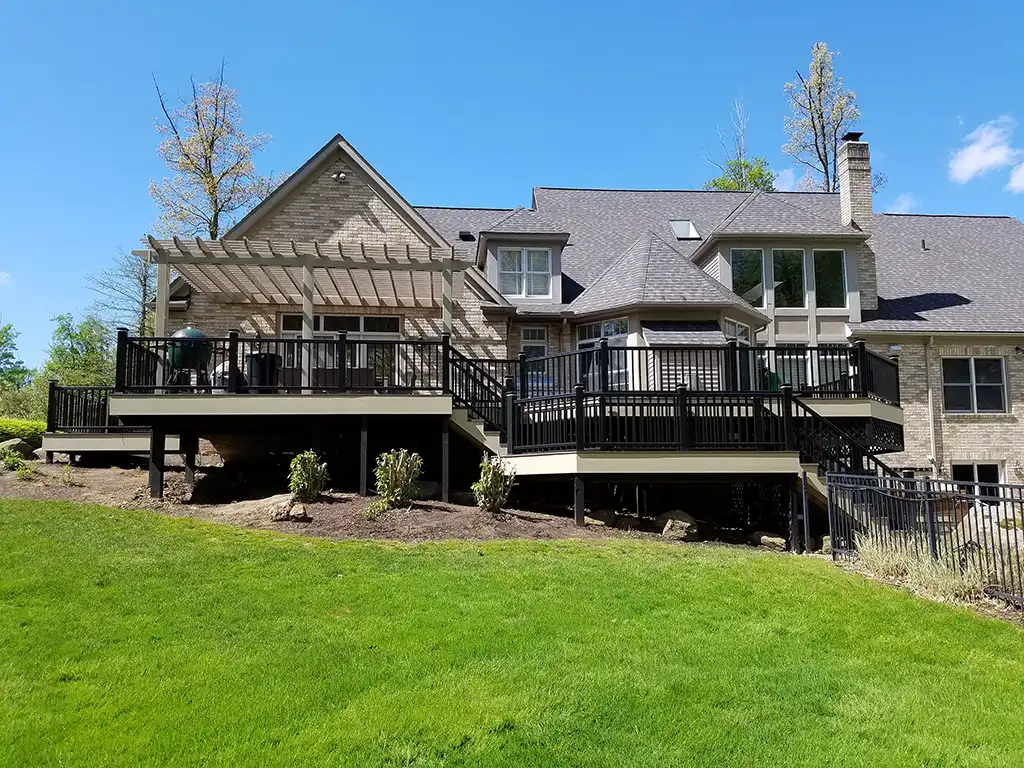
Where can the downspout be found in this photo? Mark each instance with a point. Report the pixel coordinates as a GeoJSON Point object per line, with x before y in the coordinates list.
{"type": "Point", "coordinates": [936, 463]}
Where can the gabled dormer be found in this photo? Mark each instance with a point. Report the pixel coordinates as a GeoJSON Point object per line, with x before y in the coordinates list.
{"type": "Point", "coordinates": [521, 255]}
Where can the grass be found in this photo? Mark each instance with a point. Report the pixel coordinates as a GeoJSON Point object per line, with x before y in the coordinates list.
{"type": "Point", "coordinates": [131, 639]}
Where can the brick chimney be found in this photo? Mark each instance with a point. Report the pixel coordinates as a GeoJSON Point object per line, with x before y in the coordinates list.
{"type": "Point", "coordinates": [854, 162]}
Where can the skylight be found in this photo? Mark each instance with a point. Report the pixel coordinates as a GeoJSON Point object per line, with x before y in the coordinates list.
{"type": "Point", "coordinates": [683, 229]}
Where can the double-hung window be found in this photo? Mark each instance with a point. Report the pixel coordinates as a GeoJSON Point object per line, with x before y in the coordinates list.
{"type": "Point", "coordinates": [524, 272]}
{"type": "Point", "coordinates": [973, 385]}
{"type": "Point", "coordinates": [968, 476]}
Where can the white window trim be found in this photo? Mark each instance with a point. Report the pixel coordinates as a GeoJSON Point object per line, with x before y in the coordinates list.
{"type": "Point", "coordinates": [973, 386]}
{"type": "Point", "coordinates": [764, 276]}
{"type": "Point", "coordinates": [524, 263]}
{"type": "Point", "coordinates": [801, 308]}
{"type": "Point", "coordinates": [737, 324]}
{"type": "Point", "coordinates": [524, 342]}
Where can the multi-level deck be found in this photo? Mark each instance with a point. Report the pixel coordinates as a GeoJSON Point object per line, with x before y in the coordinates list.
{"type": "Point", "coordinates": [605, 411]}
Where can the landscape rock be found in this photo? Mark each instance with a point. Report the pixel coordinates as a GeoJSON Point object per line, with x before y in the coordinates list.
{"type": "Point", "coordinates": [40, 454]}
{"type": "Point", "coordinates": [280, 509]}
{"type": "Point", "coordinates": [588, 520]}
{"type": "Point", "coordinates": [768, 540]}
{"type": "Point", "coordinates": [464, 498]}
{"type": "Point", "coordinates": [826, 545]}
{"type": "Point", "coordinates": [677, 526]}
{"type": "Point", "coordinates": [298, 513]}
{"type": "Point", "coordinates": [604, 516]}
{"type": "Point", "coordinates": [18, 446]}
{"type": "Point", "coordinates": [430, 490]}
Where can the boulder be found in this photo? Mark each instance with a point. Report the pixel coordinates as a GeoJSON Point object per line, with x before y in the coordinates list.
{"type": "Point", "coordinates": [281, 510]}
{"type": "Point", "coordinates": [768, 540]}
{"type": "Point", "coordinates": [604, 516]}
{"type": "Point", "coordinates": [18, 446]}
{"type": "Point", "coordinates": [588, 520]}
{"type": "Point", "coordinates": [826, 545]}
{"type": "Point", "coordinates": [677, 525]}
{"type": "Point", "coordinates": [298, 513]}
{"type": "Point", "coordinates": [430, 490]}
{"type": "Point", "coordinates": [40, 454]}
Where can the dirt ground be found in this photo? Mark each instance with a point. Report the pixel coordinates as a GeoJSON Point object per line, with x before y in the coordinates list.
{"type": "Point", "coordinates": [225, 497]}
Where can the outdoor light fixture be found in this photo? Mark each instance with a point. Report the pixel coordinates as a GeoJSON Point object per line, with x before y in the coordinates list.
{"type": "Point", "coordinates": [338, 177]}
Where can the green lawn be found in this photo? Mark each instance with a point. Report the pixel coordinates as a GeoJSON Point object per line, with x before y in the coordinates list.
{"type": "Point", "coordinates": [127, 639]}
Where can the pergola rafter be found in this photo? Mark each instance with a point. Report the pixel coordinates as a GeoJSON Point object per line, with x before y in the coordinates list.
{"type": "Point", "coordinates": [268, 272]}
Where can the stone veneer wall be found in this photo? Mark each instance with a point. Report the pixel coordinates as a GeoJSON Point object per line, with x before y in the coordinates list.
{"type": "Point", "coordinates": [968, 438]}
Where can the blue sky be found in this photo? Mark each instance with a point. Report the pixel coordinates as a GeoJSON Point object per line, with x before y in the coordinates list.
{"type": "Point", "coordinates": [470, 103]}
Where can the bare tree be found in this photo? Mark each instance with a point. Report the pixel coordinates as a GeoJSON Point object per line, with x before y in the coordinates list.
{"type": "Point", "coordinates": [738, 172]}
{"type": "Point", "coordinates": [213, 180]}
{"type": "Point", "coordinates": [823, 111]}
{"type": "Point", "coordinates": [124, 293]}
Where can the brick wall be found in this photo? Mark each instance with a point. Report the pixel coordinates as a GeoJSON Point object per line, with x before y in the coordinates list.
{"type": "Point", "coordinates": [986, 438]}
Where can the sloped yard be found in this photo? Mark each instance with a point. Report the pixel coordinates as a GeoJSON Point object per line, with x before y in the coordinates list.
{"type": "Point", "coordinates": [127, 638]}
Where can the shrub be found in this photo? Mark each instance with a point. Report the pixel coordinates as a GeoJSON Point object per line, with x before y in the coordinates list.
{"type": "Point", "coordinates": [398, 477]}
{"type": "Point", "coordinates": [495, 484]}
{"type": "Point", "coordinates": [307, 477]}
{"type": "Point", "coordinates": [11, 461]}
{"type": "Point", "coordinates": [29, 431]}
{"type": "Point", "coordinates": [67, 476]}
{"type": "Point", "coordinates": [26, 472]}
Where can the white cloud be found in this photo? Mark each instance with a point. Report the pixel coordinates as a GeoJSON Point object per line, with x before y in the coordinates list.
{"type": "Point", "coordinates": [904, 203]}
{"type": "Point", "coordinates": [1016, 183]}
{"type": "Point", "coordinates": [959, 120]}
{"type": "Point", "coordinates": [986, 148]}
{"type": "Point", "coordinates": [6, 279]}
{"type": "Point", "coordinates": [786, 180]}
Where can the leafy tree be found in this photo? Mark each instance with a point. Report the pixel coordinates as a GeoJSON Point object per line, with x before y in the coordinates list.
{"type": "Point", "coordinates": [739, 173]}
{"type": "Point", "coordinates": [80, 353]}
{"type": "Point", "coordinates": [13, 373]}
{"type": "Point", "coordinates": [823, 111]}
{"type": "Point", "coordinates": [213, 178]}
{"type": "Point", "coordinates": [125, 292]}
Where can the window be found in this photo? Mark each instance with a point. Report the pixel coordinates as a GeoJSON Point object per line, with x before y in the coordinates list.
{"type": "Point", "coordinates": [363, 330]}
{"type": "Point", "coordinates": [524, 272]}
{"type": "Point", "coordinates": [973, 385]}
{"type": "Point", "coordinates": [326, 326]}
{"type": "Point", "coordinates": [683, 229]}
{"type": "Point", "coordinates": [966, 476]}
{"type": "Point", "coordinates": [738, 332]}
{"type": "Point", "coordinates": [788, 277]}
{"type": "Point", "coordinates": [748, 274]}
{"type": "Point", "coordinates": [590, 335]}
{"type": "Point", "coordinates": [535, 342]}
{"type": "Point", "coordinates": [829, 279]}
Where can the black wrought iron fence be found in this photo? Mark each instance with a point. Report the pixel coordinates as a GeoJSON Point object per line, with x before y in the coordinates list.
{"type": "Point", "coordinates": [82, 409]}
{"type": "Point", "coordinates": [976, 529]}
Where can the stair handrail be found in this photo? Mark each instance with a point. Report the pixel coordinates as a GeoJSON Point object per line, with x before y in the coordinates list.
{"type": "Point", "coordinates": [489, 385]}
{"type": "Point", "coordinates": [881, 467]}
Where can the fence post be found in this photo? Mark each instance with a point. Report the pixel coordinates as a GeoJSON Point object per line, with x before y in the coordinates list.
{"type": "Point", "coordinates": [446, 360]}
{"type": "Point", "coordinates": [342, 361]}
{"type": "Point", "coordinates": [233, 361]}
{"type": "Point", "coordinates": [522, 374]}
{"type": "Point", "coordinates": [51, 407]}
{"type": "Point", "coordinates": [682, 417]}
{"type": "Point", "coordinates": [581, 418]}
{"type": "Point", "coordinates": [603, 364]}
{"type": "Point", "coordinates": [510, 412]}
{"type": "Point", "coordinates": [788, 428]}
{"type": "Point", "coordinates": [862, 368]}
{"type": "Point", "coordinates": [121, 360]}
{"type": "Point", "coordinates": [807, 513]}
{"type": "Point", "coordinates": [895, 360]}
{"type": "Point", "coordinates": [732, 366]}
{"type": "Point", "coordinates": [931, 520]}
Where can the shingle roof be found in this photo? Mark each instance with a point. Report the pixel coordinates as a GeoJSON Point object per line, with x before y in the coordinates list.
{"type": "Point", "coordinates": [683, 333]}
{"type": "Point", "coordinates": [970, 278]}
{"type": "Point", "coordinates": [522, 221]}
{"type": "Point", "coordinates": [653, 272]}
{"type": "Point", "coordinates": [450, 221]}
{"type": "Point", "coordinates": [767, 213]}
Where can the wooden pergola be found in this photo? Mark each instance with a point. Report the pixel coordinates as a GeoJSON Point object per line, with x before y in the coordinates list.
{"type": "Point", "coordinates": [309, 274]}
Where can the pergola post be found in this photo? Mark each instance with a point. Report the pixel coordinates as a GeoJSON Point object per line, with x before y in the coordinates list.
{"type": "Point", "coordinates": [307, 326]}
{"type": "Point", "coordinates": [446, 293]}
{"type": "Point", "coordinates": [163, 297]}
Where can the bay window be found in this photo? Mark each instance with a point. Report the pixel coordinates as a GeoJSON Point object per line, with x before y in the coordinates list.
{"type": "Point", "coordinates": [589, 337]}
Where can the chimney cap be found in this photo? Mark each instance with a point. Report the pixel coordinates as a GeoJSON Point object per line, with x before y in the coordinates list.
{"type": "Point", "coordinates": [853, 136]}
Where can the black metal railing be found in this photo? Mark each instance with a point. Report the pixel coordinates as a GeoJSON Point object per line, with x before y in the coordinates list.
{"type": "Point", "coordinates": [974, 529]}
{"type": "Point", "coordinates": [677, 420]}
{"type": "Point", "coordinates": [254, 365]}
{"type": "Point", "coordinates": [474, 389]}
{"type": "Point", "coordinates": [823, 372]}
{"type": "Point", "coordinates": [833, 449]}
{"type": "Point", "coordinates": [82, 409]}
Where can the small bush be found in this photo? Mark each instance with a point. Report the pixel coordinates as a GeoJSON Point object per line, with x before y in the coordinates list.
{"type": "Point", "coordinates": [29, 431]}
{"type": "Point", "coordinates": [67, 476]}
{"type": "Point", "coordinates": [26, 472]}
{"type": "Point", "coordinates": [398, 476]}
{"type": "Point", "coordinates": [307, 477]}
{"type": "Point", "coordinates": [11, 461]}
{"type": "Point", "coordinates": [496, 481]}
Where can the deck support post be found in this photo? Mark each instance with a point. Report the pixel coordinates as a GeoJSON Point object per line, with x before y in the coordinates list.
{"type": "Point", "coordinates": [788, 427]}
{"type": "Point", "coordinates": [157, 446]}
{"type": "Point", "coordinates": [364, 453]}
{"type": "Point", "coordinates": [862, 369]}
{"type": "Point", "coordinates": [308, 287]}
{"type": "Point", "coordinates": [682, 418]}
{"type": "Point", "coordinates": [188, 444]}
{"type": "Point", "coordinates": [579, 513]}
{"type": "Point", "coordinates": [445, 424]}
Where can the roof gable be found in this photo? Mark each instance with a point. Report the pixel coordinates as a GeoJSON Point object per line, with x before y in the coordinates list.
{"type": "Point", "coordinates": [522, 221]}
{"type": "Point", "coordinates": [767, 213]}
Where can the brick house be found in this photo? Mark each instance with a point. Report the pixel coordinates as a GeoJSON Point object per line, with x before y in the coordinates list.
{"type": "Point", "coordinates": [598, 336]}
